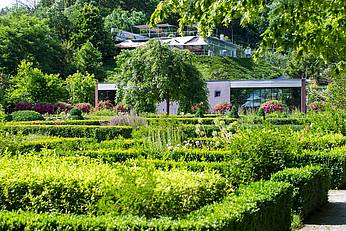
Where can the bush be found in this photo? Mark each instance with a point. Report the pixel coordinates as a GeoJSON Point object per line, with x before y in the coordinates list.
{"type": "Point", "coordinates": [44, 108]}
{"type": "Point", "coordinates": [26, 116]}
{"type": "Point", "coordinates": [82, 186]}
{"type": "Point", "coordinates": [62, 107]}
{"type": "Point", "coordinates": [2, 114]}
{"type": "Point", "coordinates": [272, 106]}
{"type": "Point", "coordinates": [258, 206]}
{"type": "Point", "coordinates": [97, 132]}
{"type": "Point", "coordinates": [335, 160]}
{"type": "Point", "coordinates": [21, 106]}
{"type": "Point", "coordinates": [132, 121]}
{"type": "Point", "coordinates": [233, 113]}
{"type": "Point", "coordinates": [81, 87]}
{"type": "Point", "coordinates": [222, 108]}
{"type": "Point", "coordinates": [311, 184]}
{"type": "Point", "coordinates": [104, 105]}
{"type": "Point", "coordinates": [75, 114]}
{"type": "Point", "coordinates": [285, 121]}
{"type": "Point", "coordinates": [84, 107]}
{"type": "Point", "coordinates": [38, 143]}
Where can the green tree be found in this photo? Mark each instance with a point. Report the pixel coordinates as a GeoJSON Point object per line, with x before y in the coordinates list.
{"type": "Point", "coordinates": [87, 25]}
{"type": "Point", "coordinates": [32, 85]}
{"type": "Point", "coordinates": [317, 26]}
{"type": "Point", "coordinates": [81, 88]}
{"type": "Point", "coordinates": [123, 19]}
{"type": "Point", "coordinates": [89, 59]}
{"type": "Point", "coordinates": [155, 73]}
{"type": "Point", "coordinates": [24, 36]}
{"type": "Point", "coordinates": [336, 92]}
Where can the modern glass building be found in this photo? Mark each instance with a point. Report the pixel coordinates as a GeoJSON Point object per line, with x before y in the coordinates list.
{"type": "Point", "coordinates": [250, 94]}
{"type": "Point", "coordinates": [247, 94]}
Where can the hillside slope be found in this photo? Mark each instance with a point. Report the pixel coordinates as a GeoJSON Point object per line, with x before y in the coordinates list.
{"type": "Point", "coordinates": [227, 68]}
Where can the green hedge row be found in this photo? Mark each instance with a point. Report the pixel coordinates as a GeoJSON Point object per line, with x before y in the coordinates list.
{"type": "Point", "coordinates": [334, 159]}
{"type": "Point", "coordinates": [37, 144]}
{"type": "Point", "coordinates": [82, 186]}
{"type": "Point", "coordinates": [59, 122]}
{"type": "Point", "coordinates": [258, 206]}
{"type": "Point", "coordinates": [311, 184]}
{"type": "Point", "coordinates": [205, 121]}
{"type": "Point", "coordinates": [287, 121]}
{"type": "Point", "coordinates": [116, 155]}
{"type": "Point", "coordinates": [97, 132]}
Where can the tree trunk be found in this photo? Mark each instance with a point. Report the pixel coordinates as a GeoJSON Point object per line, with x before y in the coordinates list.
{"type": "Point", "coordinates": [167, 106]}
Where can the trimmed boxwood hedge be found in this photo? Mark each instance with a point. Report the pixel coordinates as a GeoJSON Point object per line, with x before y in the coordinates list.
{"type": "Point", "coordinates": [205, 121]}
{"type": "Point", "coordinates": [116, 155]}
{"type": "Point", "coordinates": [82, 186]}
{"type": "Point", "coordinates": [97, 132]}
{"type": "Point", "coordinates": [258, 206]}
{"type": "Point", "coordinates": [311, 184]}
{"type": "Point", "coordinates": [334, 159]}
{"type": "Point", "coordinates": [37, 144]}
{"type": "Point", "coordinates": [60, 122]}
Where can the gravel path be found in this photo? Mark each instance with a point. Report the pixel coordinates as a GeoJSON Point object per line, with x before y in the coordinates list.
{"type": "Point", "coordinates": [332, 216]}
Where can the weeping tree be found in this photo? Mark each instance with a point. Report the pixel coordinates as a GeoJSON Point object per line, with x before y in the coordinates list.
{"type": "Point", "coordinates": [156, 73]}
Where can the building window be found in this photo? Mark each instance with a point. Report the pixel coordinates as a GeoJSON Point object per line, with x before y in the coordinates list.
{"type": "Point", "coordinates": [217, 93]}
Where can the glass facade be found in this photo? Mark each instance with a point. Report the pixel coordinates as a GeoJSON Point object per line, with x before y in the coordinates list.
{"type": "Point", "coordinates": [252, 98]}
{"type": "Point", "coordinates": [108, 95]}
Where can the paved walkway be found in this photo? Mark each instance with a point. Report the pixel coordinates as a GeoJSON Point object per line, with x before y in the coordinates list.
{"type": "Point", "coordinates": [331, 217]}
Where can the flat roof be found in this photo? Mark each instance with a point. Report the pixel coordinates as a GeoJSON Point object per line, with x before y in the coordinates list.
{"type": "Point", "coordinates": [106, 87]}
{"type": "Point", "coordinates": [275, 83]}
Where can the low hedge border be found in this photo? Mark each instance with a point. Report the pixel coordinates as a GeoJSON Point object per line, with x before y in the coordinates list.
{"type": "Point", "coordinates": [81, 186]}
{"type": "Point", "coordinates": [98, 132]}
{"type": "Point", "coordinates": [205, 121]}
{"type": "Point", "coordinates": [287, 121]}
{"type": "Point", "coordinates": [118, 155]}
{"type": "Point", "coordinates": [334, 159]}
{"type": "Point", "coordinates": [37, 145]}
{"type": "Point", "coordinates": [311, 184]}
{"type": "Point", "coordinates": [60, 122]}
{"type": "Point", "coordinates": [258, 206]}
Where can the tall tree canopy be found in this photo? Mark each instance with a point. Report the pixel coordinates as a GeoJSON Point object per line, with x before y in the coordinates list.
{"type": "Point", "coordinates": [24, 36]}
{"type": "Point", "coordinates": [317, 26]}
{"type": "Point", "coordinates": [155, 73]}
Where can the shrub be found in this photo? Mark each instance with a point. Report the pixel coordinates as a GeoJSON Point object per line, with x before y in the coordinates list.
{"type": "Point", "coordinates": [335, 160]}
{"type": "Point", "coordinates": [202, 107]}
{"type": "Point", "coordinates": [120, 108]}
{"type": "Point", "coordinates": [81, 87]}
{"type": "Point", "coordinates": [62, 107]}
{"type": "Point", "coordinates": [273, 106]}
{"type": "Point", "coordinates": [75, 114]}
{"type": "Point", "coordinates": [258, 206]}
{"type": "Point", "coordinates": [222, 108]}
{"type": "Point", "coordinates": [21, 106]}
{"type": "Point", "coordinates": [233, 113]}
{"type": "Point", "coordinates": [2, 114]}
{"type": "Point", "coordinates": [26, 116]}
{"type": "Point", "coordinates": [104, 105]}
{"type": "Point", "coordinates": [44, 108]}
{"type": "Point", "coordinates": [82, 186]}
{"type": "Point", "coordinates": [84, 107]}
{"type": "Point", "coordinates": [133, 121]}
{"type": "Point", "coordinates": [311, 184]}
{"type": "Point", "coordinates": [97, 132]}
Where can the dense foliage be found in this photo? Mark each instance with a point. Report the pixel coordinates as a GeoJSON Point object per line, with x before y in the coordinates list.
{"type": "Point", "coordinates": [154, 73]}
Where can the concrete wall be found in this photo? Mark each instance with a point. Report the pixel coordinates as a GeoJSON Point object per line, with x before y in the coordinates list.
{"type": "Point", "coordinates": [215, 88]}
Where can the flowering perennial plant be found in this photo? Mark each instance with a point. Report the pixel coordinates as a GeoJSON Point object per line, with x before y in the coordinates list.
{"type": "Point", "coordinates": [273, 106]}
{"type": "Point", "coordinates": [222, 107]}
{"type": "Point", "coordinates": [104, 105]}
{"type": "Point", "coordinates": [85, 107]}
{"type": "Point", "coordinates": [21, 106]}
